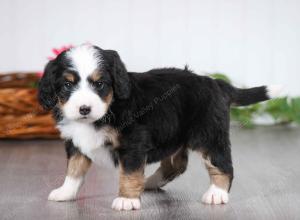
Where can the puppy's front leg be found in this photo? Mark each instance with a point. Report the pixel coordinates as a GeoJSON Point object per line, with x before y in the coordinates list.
{"type": "Point", "coordinates": [78, 165]}
{"type": "Point", "coordinates": [131, 185]}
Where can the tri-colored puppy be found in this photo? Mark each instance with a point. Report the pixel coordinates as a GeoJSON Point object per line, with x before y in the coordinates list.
{"type": "Point", "coordinates": [134, 119]}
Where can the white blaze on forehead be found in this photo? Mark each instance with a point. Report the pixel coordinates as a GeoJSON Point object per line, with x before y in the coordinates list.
{"type": "Point", "coordinates": [85, 59]}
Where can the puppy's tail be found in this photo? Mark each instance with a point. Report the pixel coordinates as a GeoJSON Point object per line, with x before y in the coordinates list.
{"type": "Point", "coordinates": [242, 97]}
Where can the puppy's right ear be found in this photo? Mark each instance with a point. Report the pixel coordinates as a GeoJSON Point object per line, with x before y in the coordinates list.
{"type": "Point", "coordinates": [46, 91]}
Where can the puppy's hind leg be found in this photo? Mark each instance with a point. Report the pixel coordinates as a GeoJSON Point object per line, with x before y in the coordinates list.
{"type": "Point", "coordinates": [78, 165]}
{"type": "Point", "coordinates": [169, 169]}
{"type": "Point", "coordinates": [220, 171]}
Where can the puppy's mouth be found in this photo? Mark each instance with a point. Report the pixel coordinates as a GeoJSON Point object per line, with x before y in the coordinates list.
{"type": "Point", "coordinates": [85, 119]}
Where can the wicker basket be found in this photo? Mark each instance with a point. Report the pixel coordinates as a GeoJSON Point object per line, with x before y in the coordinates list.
{"type": "Point", "coordinates": [20, 114]}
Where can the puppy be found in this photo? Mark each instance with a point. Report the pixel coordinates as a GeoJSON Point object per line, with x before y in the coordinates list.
{"type": "Point", "coordinates": [133, 119]}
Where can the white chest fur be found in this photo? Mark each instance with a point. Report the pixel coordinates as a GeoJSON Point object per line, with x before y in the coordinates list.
{"type": "Point", "coordinates": [89, 140]}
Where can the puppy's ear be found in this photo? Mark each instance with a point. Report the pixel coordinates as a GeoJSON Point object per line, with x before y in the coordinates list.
{"type": "Point", "coordinates": [120, 76]}
{"type": "Point", "coordinates": [46, 91]}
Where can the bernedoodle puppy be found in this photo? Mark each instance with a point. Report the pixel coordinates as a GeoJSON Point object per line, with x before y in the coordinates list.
{"type": "Point", "coordinates": [133, 119]}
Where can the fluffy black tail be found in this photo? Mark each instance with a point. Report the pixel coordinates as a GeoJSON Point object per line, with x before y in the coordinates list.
{"type": "Point", "coordinates": [242, 97]}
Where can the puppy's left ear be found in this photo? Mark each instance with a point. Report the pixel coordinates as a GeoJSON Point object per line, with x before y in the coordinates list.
{"type": "Point", "coordinates": [121, 84]}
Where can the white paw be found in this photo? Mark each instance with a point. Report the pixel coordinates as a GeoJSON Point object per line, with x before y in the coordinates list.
{"type": "Point", "coordinates": [67, 191]}
{"type": "Point", "coordinates": [62, 194]}
{"type": "Point", "coordinates": [121, 203]}
{"type": "Point", "coordinates": [215, 195]}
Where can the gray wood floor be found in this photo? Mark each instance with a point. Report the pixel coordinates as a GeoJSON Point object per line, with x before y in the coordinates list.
{"type": "Point", "coordinates": [266, 184]}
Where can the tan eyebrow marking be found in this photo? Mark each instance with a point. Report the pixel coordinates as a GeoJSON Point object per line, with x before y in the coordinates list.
{"type": "Point", "coordinates": [96, 75]}
{"type": "Point", "coordinates": [69, 76]}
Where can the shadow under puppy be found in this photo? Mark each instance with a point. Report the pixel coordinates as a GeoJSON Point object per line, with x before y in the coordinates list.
{"type": "Point", "coordinates": [134, 119]}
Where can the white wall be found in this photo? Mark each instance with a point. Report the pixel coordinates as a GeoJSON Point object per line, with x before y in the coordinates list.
{"type": "Point", "coordinates": [253, 41]}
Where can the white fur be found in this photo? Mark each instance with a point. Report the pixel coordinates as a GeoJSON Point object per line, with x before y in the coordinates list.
{"type": "Point", "coordinates": [84, 95]}
{"type": "Point", "coordinates": [67, 191]}
{"type": "Point", "coordinates": [215, 195]}
{"type": "Point", "coordinates": [121, 203]}
{"type": "Point", "coordinates": [90, 141]}
{"type": "Point", "coordinates": [85, 59]}
{"type": "Point", "coordinates": [274, 91]}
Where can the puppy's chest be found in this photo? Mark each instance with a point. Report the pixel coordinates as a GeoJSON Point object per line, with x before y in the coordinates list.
{"type": "Point", "coordinates": [94, 143]}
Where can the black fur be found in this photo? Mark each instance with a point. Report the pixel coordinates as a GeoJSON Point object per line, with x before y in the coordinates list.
{"type": "Point", "coordinates": [159, 111]}
{"type": "Point", "coordinates": [46, 91]}
{"type": "Point", "coordinates": [70, 148]}
{"type": "Point", "coordinates": [119, 74]}
{"type": "Point", "coordinates": [242, 97]}
{"type": "Point", "coordinates": [181, 109]}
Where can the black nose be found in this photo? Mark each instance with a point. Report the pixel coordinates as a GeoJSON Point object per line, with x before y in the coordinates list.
{"type": "Point", "coordinates": [84, 110]}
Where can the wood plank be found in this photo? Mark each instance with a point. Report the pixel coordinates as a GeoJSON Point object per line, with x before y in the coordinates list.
{"type": "Point", "coordinates": [266, 184]}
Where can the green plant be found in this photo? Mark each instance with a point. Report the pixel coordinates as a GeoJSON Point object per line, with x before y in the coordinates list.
{"type": "Point", "coordinates": [283, 110]}
{"type": "Point", "coordinates": [220, 76]}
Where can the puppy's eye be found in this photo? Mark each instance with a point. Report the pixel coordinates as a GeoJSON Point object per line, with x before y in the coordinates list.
{"type": "Point", "coordinates": [68, 85]}
{"type": "Point", "coordinates": [99, 84]}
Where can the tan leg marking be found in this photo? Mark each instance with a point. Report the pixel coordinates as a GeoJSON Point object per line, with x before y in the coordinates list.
{"type": "Point", "coordinates": [131, 185]}
{"type": "Point", "coordinates": [217, 177]}
{"type": "Point", "coordinates": [217, 193]}
{"type": "Point", "coordinates": [78, 165]}
{"type": "Point", "coordinates": [169, 169]}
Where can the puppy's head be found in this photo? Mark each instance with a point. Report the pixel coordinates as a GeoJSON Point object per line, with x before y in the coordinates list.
{"type": "Point", "coordinates": [82, 82]}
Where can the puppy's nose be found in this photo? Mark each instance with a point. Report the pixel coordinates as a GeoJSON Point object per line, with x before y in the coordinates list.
{"type": "Point", "coordinates": [84, 110]}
